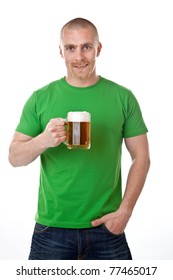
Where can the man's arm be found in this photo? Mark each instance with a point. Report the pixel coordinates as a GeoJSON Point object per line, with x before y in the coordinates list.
{"type": "Point", "coordinates": [139, 151]}
{"type": "Point", "coordinates": [25, 149]}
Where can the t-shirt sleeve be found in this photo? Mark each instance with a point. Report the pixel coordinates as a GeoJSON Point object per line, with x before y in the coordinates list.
{"type": "Point", "coordinates": [134, 124]}
{"type": "Point", "coordinates": [29, 123]}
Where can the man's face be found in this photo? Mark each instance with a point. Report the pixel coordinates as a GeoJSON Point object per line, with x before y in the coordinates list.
{"type": "Point", "coordinates": [80, 47]}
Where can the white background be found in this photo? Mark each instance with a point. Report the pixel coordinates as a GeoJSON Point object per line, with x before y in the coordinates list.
{"type": "Point", "coordinates": [137, 52]}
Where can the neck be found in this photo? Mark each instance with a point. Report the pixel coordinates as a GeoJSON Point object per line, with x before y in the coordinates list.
{"type": "Point", "coordinates": [81, 82]}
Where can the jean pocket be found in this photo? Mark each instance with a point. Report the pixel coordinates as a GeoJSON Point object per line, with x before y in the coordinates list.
{"type": "Point", "coordinates": [40, 228]}
{"type": "Point", "coordinates": [104, 227]}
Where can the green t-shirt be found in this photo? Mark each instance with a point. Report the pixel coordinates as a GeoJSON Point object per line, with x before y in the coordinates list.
{"type": "Point", "coordinates": [78, 186]}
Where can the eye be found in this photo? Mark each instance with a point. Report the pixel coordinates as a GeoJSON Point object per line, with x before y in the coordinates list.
{"type": "Point", "coordinates": [69, 48]}
{"type": "Point", "coordinates": [87, 47]}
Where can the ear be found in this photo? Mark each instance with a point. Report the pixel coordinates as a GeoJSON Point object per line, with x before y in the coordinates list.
{"type": "Point", "coordinates": [61, 52]}
{"type": "Point", "coordinates": [99, 49]}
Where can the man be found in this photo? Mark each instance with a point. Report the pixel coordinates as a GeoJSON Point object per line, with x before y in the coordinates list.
{"type": "Point", "coordinates": [81, 212]}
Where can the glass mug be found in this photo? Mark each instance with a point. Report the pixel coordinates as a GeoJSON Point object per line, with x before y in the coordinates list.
{"type": "Point", "coordinates": [78, 130]}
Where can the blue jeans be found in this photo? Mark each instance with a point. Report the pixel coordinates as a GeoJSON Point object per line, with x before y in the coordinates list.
{"type": "Point", "coordinates": [97, 243]}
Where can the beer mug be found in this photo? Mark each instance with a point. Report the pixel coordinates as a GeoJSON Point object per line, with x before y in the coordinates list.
{"type": "Point", "coordinates": [78, 130]}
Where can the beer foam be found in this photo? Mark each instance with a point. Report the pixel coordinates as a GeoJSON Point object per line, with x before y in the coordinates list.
{"type": "Point", "coordinates": [78, 117]}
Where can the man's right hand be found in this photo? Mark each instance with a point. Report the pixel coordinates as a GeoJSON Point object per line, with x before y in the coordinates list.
{"type": "Point", "coordinates": [54, 134]}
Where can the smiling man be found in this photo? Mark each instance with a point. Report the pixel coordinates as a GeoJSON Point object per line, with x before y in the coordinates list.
{"type": "Point", "coordinates": [80, 46]}
{"type": "Point", "coordinates": [82, 213]}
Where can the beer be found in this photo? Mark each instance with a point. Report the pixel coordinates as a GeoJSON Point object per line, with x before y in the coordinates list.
{"type": "Point", "coordinates": [78, 130]}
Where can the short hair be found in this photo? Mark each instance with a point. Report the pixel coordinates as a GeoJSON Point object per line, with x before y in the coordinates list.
{"type": "Point", "coordinates": [79, 23]}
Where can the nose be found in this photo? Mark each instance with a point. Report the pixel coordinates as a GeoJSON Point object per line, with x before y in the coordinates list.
{"type": "Point", "coordinates": [79, 54]}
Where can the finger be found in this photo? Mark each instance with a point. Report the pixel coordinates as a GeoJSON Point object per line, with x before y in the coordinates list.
{"type": "Point", "coordinates": [99, 221]}
{"type": "Point", "coordinates": [59, 140]}
{"type": "Point", "coordinates": [53, 123]}
{"type": "Point", "coordinates": [62, 139]}
{"type": "Point", "coordinates": [103, 219]}
{"type": "Point", "coordinates": [58, 134]}
{"type": "Point", "coordinates": [56, 128]}
{"type": "Point", "coordinates": [60, 121]}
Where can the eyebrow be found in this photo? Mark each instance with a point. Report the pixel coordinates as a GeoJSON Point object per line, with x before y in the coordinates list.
{"type": "Point", "coordinates": [69, 45]}
{"type": "Point", "coordinates": [73, 45]}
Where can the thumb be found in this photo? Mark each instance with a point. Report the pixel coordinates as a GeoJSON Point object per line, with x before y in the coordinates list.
{"type": "Point", "coordinates": [101, 220]}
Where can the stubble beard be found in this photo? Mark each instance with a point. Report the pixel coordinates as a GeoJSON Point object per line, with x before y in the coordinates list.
{"type": "Point", "coordinates": [81, 75]}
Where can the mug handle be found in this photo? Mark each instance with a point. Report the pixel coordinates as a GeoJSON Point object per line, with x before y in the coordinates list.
{"type": "Point", "coordinates": [65, 142]}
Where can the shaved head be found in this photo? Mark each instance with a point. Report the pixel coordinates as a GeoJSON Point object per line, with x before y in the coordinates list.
{"type": "Point", "coordinates": [78, 23]}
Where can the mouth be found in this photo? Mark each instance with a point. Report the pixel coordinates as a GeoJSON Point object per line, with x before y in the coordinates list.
{"type": "Point", "coordinates": [80, 67]}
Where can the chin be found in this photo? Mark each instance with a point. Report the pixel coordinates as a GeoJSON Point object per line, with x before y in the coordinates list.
{"type": "Point", "coordinates": [81, 76]}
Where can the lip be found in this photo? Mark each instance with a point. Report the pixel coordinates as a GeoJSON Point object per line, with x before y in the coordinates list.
{"type": "Point", "coordinates": [80, 66]}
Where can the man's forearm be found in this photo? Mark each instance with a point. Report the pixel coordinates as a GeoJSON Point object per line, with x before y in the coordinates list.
{"type": "Point", "coordinates": [25, 149]}
{"type": "Point", "coordinates": [22, 153]}
{"type": "Point", "coordinates": [135, 182]}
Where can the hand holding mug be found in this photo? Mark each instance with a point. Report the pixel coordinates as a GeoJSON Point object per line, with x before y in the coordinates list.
{"type": "Point", "coordinates": [74, 131]}
{"type": "Point", "coordinates": [55, 133]}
